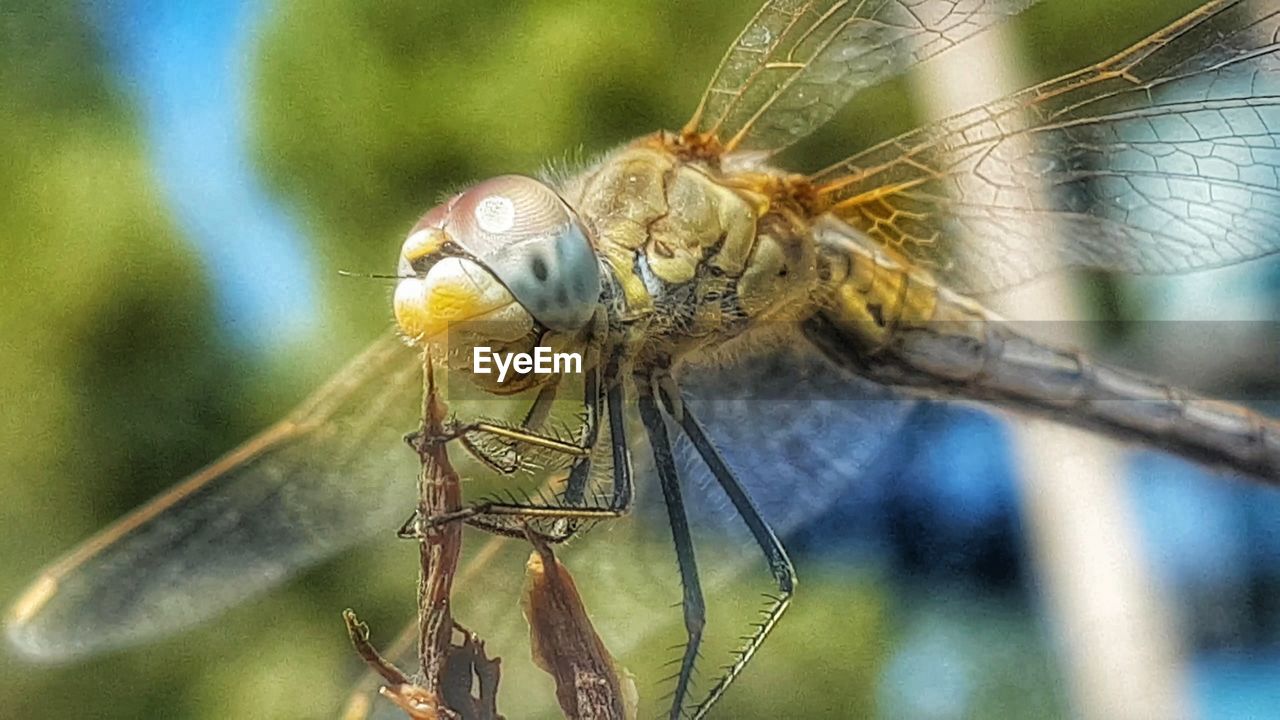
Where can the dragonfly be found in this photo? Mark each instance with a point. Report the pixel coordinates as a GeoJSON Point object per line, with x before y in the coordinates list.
{"type": "Point", "coordinates": [696, 277]}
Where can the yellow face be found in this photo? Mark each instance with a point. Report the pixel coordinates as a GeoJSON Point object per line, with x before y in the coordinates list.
{"type": "Point", "coordinates": [455, 291]}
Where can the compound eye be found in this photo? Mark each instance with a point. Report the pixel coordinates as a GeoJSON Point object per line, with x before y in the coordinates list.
{"type": "Point", "coordinates": [435, 218]}
{"type": "Point", "coordinates": [524, 234]}
{"type": "Point", "coordinates": [426, 240]}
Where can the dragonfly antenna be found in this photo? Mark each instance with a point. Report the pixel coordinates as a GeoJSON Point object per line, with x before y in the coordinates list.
{"type": "Point", "coordinates": [370, 276]}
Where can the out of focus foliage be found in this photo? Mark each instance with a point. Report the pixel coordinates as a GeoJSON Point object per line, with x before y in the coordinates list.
{"type": "Point", "coordinates": [111, 379]}
{"type": "Point", "coordinates": [115, 383]}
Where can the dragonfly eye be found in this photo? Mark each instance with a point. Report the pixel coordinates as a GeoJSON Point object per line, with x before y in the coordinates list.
{"type": "Point", "coordinates": [533, 243]}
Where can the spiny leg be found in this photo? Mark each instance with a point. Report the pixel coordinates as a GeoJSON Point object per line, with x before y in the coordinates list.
{"type": "Point", "coordinates": [614, 400]}
{"type": "Point", "coordinates": [509, 516]}
{"type": "Point", "coordinates": [580, 473]}
{"type": "Point", "coordinates": [501, 516]}
{"type": "Point", "coordinates": [416, 526]}
{"type": "Point", "coordinates": [623, 492]}
{"type": "Point", "coordinates": [784, 573]}
{"type": "Point", "coordinates": [505, 459]}
{"type": "Point", "coordinates": [695, 610]}
{"type": "Point", "coordinates": [509, 439]}
{"type": "Point", "coordinates": [570, 505]}
{"type": "Point", "coordinates": [586, 432]}
{"type": "Point", "coordinates": [538, 412]}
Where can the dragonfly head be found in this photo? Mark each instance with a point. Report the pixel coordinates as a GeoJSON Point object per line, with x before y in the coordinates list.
{"type": "Point", "coordinates": [502, 257]}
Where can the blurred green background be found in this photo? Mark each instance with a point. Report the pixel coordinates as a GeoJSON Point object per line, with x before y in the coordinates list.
{"type": "Point", "coordinates": [122, 369]}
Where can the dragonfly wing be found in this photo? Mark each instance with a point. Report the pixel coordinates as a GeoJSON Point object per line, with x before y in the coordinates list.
{"type": "Point", "coordinates": [799, 61]}
{"type": "Point", "coordinates": [330, 474]}
{"type": "Point", "coordinates": [796, 430]}
{"type": "Point", "coordinates": [1162, 159]}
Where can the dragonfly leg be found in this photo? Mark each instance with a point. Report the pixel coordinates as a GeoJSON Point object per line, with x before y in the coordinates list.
{"type": "Point", "coordinates": [509, 516]}
{"type": "Point", "coordinates": [580, 474]}
{"type": "Point", "coordinates": [695, 610]}
{"type": "Point", "coordinates": [784, 573]}
{"type": "Point", "coordinates": [615, 402]}
{"type": "Point", "coordinates": [505, 458]}
{"type": "Point", "coordinates": [416, 526]}
{"type": "Point", "coordinates": [504, 448]}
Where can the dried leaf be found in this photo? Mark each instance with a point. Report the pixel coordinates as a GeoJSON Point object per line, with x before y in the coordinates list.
{"type": "Point", "coordinates": [590, 685]}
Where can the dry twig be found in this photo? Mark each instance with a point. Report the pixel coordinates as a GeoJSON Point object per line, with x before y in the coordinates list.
{"type": "Point", "coordinates": [455, 681]}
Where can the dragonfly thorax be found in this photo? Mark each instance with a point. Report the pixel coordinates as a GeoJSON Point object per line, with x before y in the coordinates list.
{"type": "Point", "coordinates": [699, 256]}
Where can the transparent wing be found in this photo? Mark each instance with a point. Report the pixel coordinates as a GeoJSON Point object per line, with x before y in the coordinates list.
{"type": "Point", "coordinates": [331, 473]}
{"type": "Point", "coordinates": [799, 61]}
{"type": "Point", "coordinates": [796, 431]}
{"type": "Point", "coordinates": [1165, 158]}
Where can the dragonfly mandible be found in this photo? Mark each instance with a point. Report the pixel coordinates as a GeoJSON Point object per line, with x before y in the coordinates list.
{"type": "Point", "coordinates": [686, 259]}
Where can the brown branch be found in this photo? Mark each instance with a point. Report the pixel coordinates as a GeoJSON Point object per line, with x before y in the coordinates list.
{"type": "Point", "coordinates": [449, 672]}
{"type": "Point", "coordinates": [439, 493]}
{"type": "Point", "coordinates": [414, 700]}
{"type": "Point", "coordinates": [359, 634]}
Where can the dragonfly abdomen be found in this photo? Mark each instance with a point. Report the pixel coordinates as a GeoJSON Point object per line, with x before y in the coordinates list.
{"type": "Point", "coordinates": [885, 320]}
